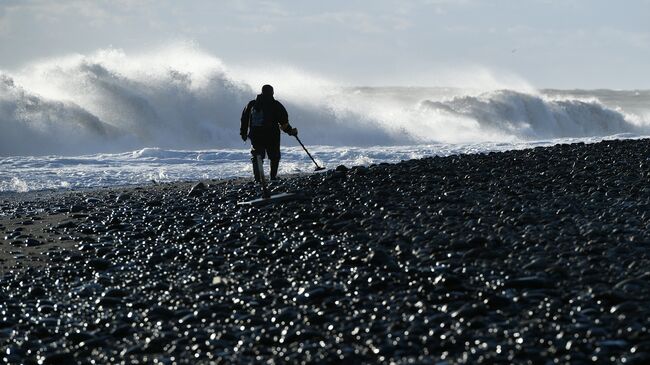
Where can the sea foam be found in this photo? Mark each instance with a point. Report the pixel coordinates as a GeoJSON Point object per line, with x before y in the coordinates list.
{"type": "Point", "coordinates": [183, 98]}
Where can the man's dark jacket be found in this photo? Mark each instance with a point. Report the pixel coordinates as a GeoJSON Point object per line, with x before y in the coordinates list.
{"type": "Point", "coordinates": [275, 117]}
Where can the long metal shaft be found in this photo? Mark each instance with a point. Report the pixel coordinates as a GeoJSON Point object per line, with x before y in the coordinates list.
{"type": "Point", "coordinates": [309, 154]}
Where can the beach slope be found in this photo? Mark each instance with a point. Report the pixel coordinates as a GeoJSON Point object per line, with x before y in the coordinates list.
{"type": "Point", "coordinates": [533, 256]}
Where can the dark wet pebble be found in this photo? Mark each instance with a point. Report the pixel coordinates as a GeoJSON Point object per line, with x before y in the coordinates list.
{"type": "Point", "coordinates": [31, 242]}
{"type": "Point", "coordinates": [57, 358]}
{"type": "Point", "coordinates": [625, 308]}
{"type": "Point", "coordinates": [77, 209]}
{"type": "Point", "coordinates": [65, 225]}
{"type": "Point", "coordinates": [99, 264]}
{"type": "Point", "coordinates": [197, 189]}
{"type": "Point", "coordinates": [530, 282]}
{"type": "Point", "coordinates": [381, 258]}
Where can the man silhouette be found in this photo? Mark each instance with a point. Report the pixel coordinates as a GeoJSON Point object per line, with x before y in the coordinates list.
{"type": "Point", "coordinates": [261, 121]}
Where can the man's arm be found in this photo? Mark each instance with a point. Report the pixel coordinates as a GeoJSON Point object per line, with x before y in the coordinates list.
{"type": "Point", "coordinates": [245, 117]}
{"type": "Point", "coordinates": [283, 120]}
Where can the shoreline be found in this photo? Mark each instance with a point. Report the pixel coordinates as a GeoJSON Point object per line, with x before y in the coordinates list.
{"type": "Point", "coordinates": [407, 152]}
{"type": "Point", "coordinates": [505, 257]}
{"type": "Point", "coordinates": [7, 196]}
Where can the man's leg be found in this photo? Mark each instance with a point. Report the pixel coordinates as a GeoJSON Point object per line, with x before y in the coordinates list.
{"type": "Point", "coordinates": [256, 170]}
{"type": "Point", "coordinates": [274, 169]}
{"type": "Point", "coordinates": [273, 151]}
{"type": "Point", "coordinates": [256, 150]}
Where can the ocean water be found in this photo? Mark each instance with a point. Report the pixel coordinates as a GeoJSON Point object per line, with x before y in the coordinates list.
{"type": "Point", "coordinates": [111, 118]}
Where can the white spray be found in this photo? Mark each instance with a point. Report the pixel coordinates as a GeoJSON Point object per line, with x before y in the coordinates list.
{"type": "Point", "coordinates": [183, 98]}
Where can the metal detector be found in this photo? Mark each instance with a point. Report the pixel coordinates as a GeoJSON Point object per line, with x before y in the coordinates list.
{"type": "Point", "coordinates": [318, 168]}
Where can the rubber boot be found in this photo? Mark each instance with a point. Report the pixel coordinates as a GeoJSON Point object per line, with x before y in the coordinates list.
{"type": "Point", "coordinates": [274, 169]}
{"type": "Point", "coordinates": [256, 170]}
{"type": "Point", "coordinates": [260, 167]}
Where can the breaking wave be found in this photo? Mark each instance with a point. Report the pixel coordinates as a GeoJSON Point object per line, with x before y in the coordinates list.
{"type": "Point", "coordinates": [183, 98]}
{"type": "Point", "coordinates": [525, 116]}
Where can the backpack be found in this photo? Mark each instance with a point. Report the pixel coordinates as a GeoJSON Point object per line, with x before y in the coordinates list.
{"type": "Point", "coordinates": [257, 117]}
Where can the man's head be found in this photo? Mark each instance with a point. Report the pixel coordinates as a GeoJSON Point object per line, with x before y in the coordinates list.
{"type": "Point", "coordinates": [267, 90]}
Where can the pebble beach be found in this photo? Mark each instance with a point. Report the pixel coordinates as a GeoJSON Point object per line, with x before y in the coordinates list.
{"type": "Point", "coordinates": [537, 256]}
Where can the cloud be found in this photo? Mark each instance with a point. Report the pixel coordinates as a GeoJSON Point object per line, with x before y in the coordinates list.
{"type": "Point", "coordinates": [361, 22]}
{"type": "Point", "coordinates": [639, 40]}
{"type": "Point", "coordinates": [92, 13]}
{"type": "Point", "coordinates": [342, 36]}
{"type": "Point", "coordinates": [446, 2]}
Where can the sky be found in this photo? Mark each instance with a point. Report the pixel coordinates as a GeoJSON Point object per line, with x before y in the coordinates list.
{"type": "Point", "coordinates": [549, 43]}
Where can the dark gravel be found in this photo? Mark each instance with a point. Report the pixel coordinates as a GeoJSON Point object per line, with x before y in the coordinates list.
{"type": "Point", "coordinates": [538, 256]}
